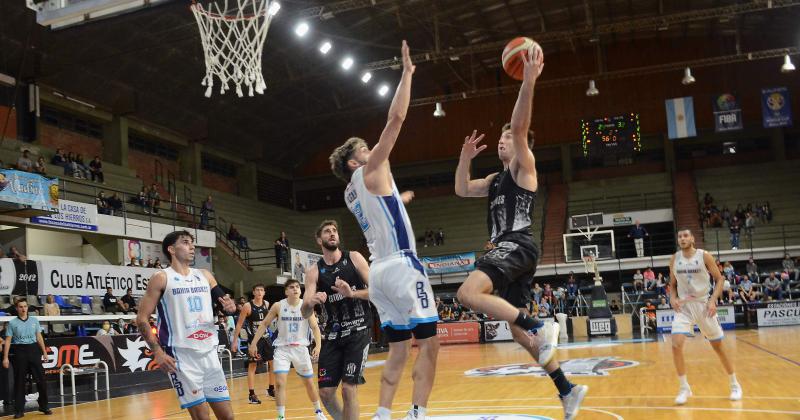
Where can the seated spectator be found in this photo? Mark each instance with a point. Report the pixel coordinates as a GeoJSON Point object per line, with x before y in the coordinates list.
{"type": "Point", "coordinates": [39, 167]}
{"type": "Point", "coordinates": [142, 199]}
{"type": "Point", "coordinates": [544, 309]}
{"type": "Point", "coordinates": [773, 287]}
{"type": "Point", "coordinates": [649, 279]}
{"type": "Point", "coordinates": [746, 290]}
{"type": "Point", "coordinates": [537, 293]}
{"type": "Point", "coordinates": [127, 302]}
{"type": "Point", "coordinates": [14, 253]}
{"type": "Point", "coordinates": [134, 262]}
{"type": "Point", "coordinates": [106, 329]}
{"type": "Point", "coordinates": [788, 265]}
{"type": "Point", "coordinates": [547, 295]}
{"type": "Point", "coordinates": [650, 312]}
{"type": "Point", "coordinates": [638, 282]}
{"type": "Point", "coordinates": [663, 304]}
{"type": "Point", "coordinates": [81, 166]}
{"type": "Point", "coordinates": [785, 280]}
{"type": "Point", "coordinates": [440, 237]}
{"type": "Point", "coordinates": [51, 308]}
{"type": "Point", "coordinates": [24, 163]}
{"type": "Point", "coordinates": [728, 295]}
{"type": "Point", "coordinates": [205, 212]}
{"type": "Point", "coordinates": [149, 263]}
{"type": "Point", "coordinates": [429, 238]}
{"type": "Point", "coordinates": [154, 199]}
{"type": "Point", "coordinates": [614, 306]}
{"type": "Point", "coordinates": [752, 270]}
{"type": "Point", "coordinates": [727, 270]}
{"type": "Point", "coordinates": [130, 328]}
{"type": "Point", "coordinates": [661, 285]}
{"type": "Point", "coordinates": [102, 204]}
{"type": "Point", "coordinates": [96, 169]}
{"type": "Point", "coordinates": [58, 159]}
{"type": "Point", "coordinates": [110, 302]}
{"type": "Point", "coordinates": [115, 203]}
{"type": "Point", "coordinates": [157, 263]}
{"type": "Point", "coordinates": [239, 239]}
{"type": "Point", "coordinates": [71, 167]}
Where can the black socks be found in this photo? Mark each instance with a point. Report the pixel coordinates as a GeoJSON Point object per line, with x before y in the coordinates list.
{"type": "Point", "coordinates": [562, 383]}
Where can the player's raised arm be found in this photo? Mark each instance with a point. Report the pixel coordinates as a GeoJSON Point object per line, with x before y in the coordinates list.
{"type": "Point", "coordinates": [379, 157]}
{"type": "Point", "coordinates": [521, 117]}
{"type": "Point", "coordinates": [466, 187]}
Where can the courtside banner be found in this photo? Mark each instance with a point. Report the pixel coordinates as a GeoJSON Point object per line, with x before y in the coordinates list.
{"type": "Point", "coordinates": [122, 353]}
{"type": "Point", "coordinates": [496, 331]}
{"type": "Point", "coordinates": [71, 215]}
{"type": "Point", "coordinates": [725, 315]}
{"type": "Point", "coordinates": [449, 263]}
{"type": "Point", "coordinates": [779, 313]}
{"type": "Point", "coordinates": [458, 332]}
{"type": "Point", "coordinates": [61, 278]}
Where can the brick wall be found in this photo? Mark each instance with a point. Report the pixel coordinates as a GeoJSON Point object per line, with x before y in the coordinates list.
{"type": "Point", "coordinates": [143, 164]}
{"type": "Point", "coordinates": [220, 183]}
{"type": "Point", "coordinates": [11, 130]}
{"type": "Point", "coordinates": [54, 138]}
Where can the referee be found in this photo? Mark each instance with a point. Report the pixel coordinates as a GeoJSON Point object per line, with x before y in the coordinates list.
{"type": "Point", "coordinates": [24, 336]}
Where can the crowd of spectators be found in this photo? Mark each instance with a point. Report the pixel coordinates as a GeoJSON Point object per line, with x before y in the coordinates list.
{"type": "Point", "coordinates": [753, 285]}
{"type": "Point", "coordinates": [744, 219]}
{"type": "Point", "coordinates": [75, 166]}
{"type": "Point", "coordinates": [433, 238]}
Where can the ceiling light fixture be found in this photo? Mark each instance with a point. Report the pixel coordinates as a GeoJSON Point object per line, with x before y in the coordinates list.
{"type": "Point", "coordinates": [592, 91]}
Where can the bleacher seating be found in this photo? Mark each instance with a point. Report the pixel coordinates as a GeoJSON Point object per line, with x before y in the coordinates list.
{"type": "Point", "coordinates": [609, 195]}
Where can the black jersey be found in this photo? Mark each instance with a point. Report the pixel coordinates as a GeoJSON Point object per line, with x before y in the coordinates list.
{"type": "Point", "coordinates": [257, 314]}
{"type": "Point", "coordinates": [342, 316]}
{"type": "Point", "coordinates": [509, 207]}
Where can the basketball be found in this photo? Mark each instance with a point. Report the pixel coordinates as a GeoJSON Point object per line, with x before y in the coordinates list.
{"type": "Point", "coordinates": [513, 53]}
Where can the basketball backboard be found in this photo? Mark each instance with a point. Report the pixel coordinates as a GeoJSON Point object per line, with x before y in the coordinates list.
{"type": "Point", "coordinates": [63, 13]}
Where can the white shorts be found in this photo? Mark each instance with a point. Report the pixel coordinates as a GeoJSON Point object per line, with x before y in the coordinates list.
{"type": "Point", "coordinates": [692, 313]}
{"type": "Point", "coordinates": [401, 292]}
{"type": "Point", "coordinates": [286, 356]}
{"type": "Point", "coordinates": [199, 377]}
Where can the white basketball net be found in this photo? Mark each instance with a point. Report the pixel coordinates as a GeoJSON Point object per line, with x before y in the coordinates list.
{"type": "Point", "coordinates": [232, 43]}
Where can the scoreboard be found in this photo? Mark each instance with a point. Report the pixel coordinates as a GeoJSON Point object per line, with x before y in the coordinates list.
{"type": "Point", "coordinates": [617, 136]}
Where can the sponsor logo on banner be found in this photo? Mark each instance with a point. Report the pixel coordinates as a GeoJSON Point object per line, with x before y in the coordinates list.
{"type": "Point", "coordinates": [61, 278]}
{"type": "Point", "coordinates": [727, 113]}
{"type": "Point", "coordinates": [26, 279]}
{"type": "Point", "coordinates": [623, 220]}
{"type": "Point", "coordinates": [496, 331]}
{"type": "Point", "coordinates": [601, 326]}
{"type": "Point", "coordinates": [78, 351]}
{"type": "Point", "coordinates": [29, 189]}
{"type": "Point", "coordinates": [725, 315]}
{"type": "Point", "coordinates": [785, 313]}
{"type": "Point", "coordinates": [301, 260]}
{"type": "Point", "coordinates": [457, 332]}
{"type": "Point", "coordinates": [71, 215]}
{"type": "Point", "coordinates": [490, 417]}
{"type": "Point", "coordinates": [592, 366]}
{"type": "Point", "coordinates": [135, 354]}
{"type": "Point", "coordinates": [449, 264]}
{"type": "Point", "coordinates": [776, 107]}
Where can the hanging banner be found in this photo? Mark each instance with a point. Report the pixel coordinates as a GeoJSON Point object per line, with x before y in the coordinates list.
{"type": "Point", "coordinates": [776, 107]}
{"type": "Point", "coordinates": [61, 278]}
{"type": "Point", "coordinates": [143, 251]}
{"type": "Point", "coordinates": [301, 260]}
{"type": "Point", "coordinates": [727, 113]}
{"type": "Point", "coordinates": [449, 263]}
{"type": "Point", "coordinates": [71, 215]}
{"type": "Point", "coordinates": [29, 189]}
{"type": "Point", "coordinates": [680, 117]}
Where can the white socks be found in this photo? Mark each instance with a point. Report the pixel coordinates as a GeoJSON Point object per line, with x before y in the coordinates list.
{"type": "Point", "coordinates": [420, 411]}
{"type": "Point", "coordinates": [684, 383]}
{"type": "Point", "coordinates": [733, 379]}
{"type": "Point", "coordinates": [317, 407]}
{"type": "Point", "coordinates": [281, 411]}
{"type": "Point", "coordinates": [384, 413]}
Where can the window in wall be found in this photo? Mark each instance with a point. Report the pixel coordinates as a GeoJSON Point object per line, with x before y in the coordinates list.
{"type": "Point", "coordinates": [218, 166]}
{"type": "Point", "coordinates": [71, 122]}
{"type": "Point", "coordinates": [151, 147]}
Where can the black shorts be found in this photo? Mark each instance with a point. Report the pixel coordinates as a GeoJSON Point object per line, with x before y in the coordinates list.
{"type": "Point", "coordinates": [511, 266]}
{"type": "Point", "coordinates": [343, 359]}
{"type": "Point", "coordinates": [265, 351]}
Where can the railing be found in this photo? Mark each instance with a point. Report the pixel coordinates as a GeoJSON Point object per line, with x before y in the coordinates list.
{"type": "Point", "coordinates": [250, 257]}
{"type": "Point", "coordinates": [617, 203]}
{"type": "Point", "coordinates": [761, 236]}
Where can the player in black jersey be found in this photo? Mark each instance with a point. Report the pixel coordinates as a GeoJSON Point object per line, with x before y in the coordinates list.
{"type": "Point", "coordinates": [509, 267]}
{"type": "Point", "coordinates": [250, 316]}
{"type": "Point", "coordinates": [337, 287]}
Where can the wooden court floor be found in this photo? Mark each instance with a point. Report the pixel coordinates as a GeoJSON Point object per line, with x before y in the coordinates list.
{"type": "Point", "coordinates": [627, 380]}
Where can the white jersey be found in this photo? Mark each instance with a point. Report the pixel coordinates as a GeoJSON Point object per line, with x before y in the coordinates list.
{"type": "Point", "coordinates": [293, 329]}
{"type": "Point", "coordinates": [186, 313]}
{"type": "Point", "coordinates": [383, 219]}
{"type": "Point", "coordinates": [692, 276]}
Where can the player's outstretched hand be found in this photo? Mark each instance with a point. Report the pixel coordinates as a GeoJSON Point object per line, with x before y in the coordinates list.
{"type": "Point", "coordinates": [470, 149]}
{"type": "Point", "coordinates": [164, 361]}
{"type": "Point", "coordinates": [319, 298]}
{"type": "Point", "coordinates": [342, 287]}
{"type": "Point", "coordinates": [533, 63]}
{"type": "Point", "coordinates": [408, 66]}
{"type": "Point", "coordinates": [711, 308]}
{"type": "Point", "coordinates": [227, 304]}
{"type": "Point", "coordinates": [406, 196]}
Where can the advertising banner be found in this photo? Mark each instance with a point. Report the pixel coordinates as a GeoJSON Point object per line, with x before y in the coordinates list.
{"type": "Point", "coordinates": [779, 313]}
{"type": "Point", "coordinates": [449, 263]}
{"type": "Point", "coordinates": [301, 260]}
{"type": "Point", "coordinates": [776, 107]}
{"type": "Point", "coordinates": [496, 331]}
{"type": "Point", "coordinates": [458, 332]}
{"type": "Point", "coordinates": [725, 315]}
{"type": "Point", "coordinates": [71, 215]}
{"type": "Point", "coordinates": [29, 189]}
{"type": "Point", "coordinates": [122, 353]}
{"type": "Point", "coordinates": [60, 278]}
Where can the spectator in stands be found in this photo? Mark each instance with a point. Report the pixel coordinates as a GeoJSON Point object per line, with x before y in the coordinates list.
{"type": "Point", "coordinates": [115, 204]}
{"type": "Point", "coordinates": [429, 238]}
{"type": "Point", "coordinates": [102, 203]}
{"type": "Point", "coordinates": [728, 271]}
{"type": "Point", "coordinates": [149, 263]}
{"type": "Point", "coordinates": [752, 270]}
{"type": "Point", "coordinates": [134, 262]}
{"type": "Point", "coordinates": [71, 167]}
{"type": "Point", "coordinates": [106, 329]}
{"type": "Point", "coordinates": [154, 198]}
{"type": "Point", "coordinates": [746, 290]}
{"type": "Point", "coordinates": [96, 169]}
{"type": "Point", "coordinates": [649, 279]}
{"type": "Point", "coordinates": [81, 166]}
{"type": "Point", "coordinates": [51, 308]}
{"type": "Point", "coordinates": [58, 159]}
{"type": "Point", "coordinates": [440, 237]}
{"type": "Point", "coordinates": [661, 285]}
{"type": "Point", "coordinates": [708, 200]}
{"type": "Point", "coordinates": [222, 332]}
{"type": "Point", "coordinates": [773, 287]}
{"type": "Point", "coordinates": [572, 291]}
{"type": "Point", "coordinates": [282, 252]}
{"type": "Point", "coordinates": [544, 309]}
{"type": "Point", "coordinates": [767, 212]}
{"type": "Point", "coordinates": [638, 282]}
{"type": "Point", "coordinates": [650, 312]}
{"type": "Point", "coordinates": [537, 293]}
{"type": "Point", "coordinates": [663, 304]}
{"type": "Point", "coordinates": [14, 253]}
{"type": "Point", "coordinates": [157, 263]}
{"type": "Point", "coordinates": [638, 233]}
{"type": "Point", "coordinates": [789, 266]}
{"type": "Point", "coordinates": [39, 167]}
{"type": "Point", "coordinates": [785, 280]}
{"type": "Point", "coordinates": [110, 302]}
{"type": "Point", "coordinates": [735, 228]}
{"type": "Point", "coordinates": [130, 328]}
{"type": "Point", "coordinates": [547, 295]}
{"type": "Point", "coordinates": [614, 306]}
{"type": "Point", "coordinates": [205, 212]}
{"type": "Point", "coordinates": [142, 199]}
{"type": "Point", "coordinates": [749, 224]}
{"type": "Point", "coordinates": [127, 302]}
{"type": "Point", "coordinates": [24, 163]}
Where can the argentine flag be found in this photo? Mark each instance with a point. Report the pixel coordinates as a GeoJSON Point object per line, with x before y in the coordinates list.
{"type": "Point", "coordinates": [680, 118]}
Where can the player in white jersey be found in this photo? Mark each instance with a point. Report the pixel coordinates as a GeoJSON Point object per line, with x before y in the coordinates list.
{"type": "Point", "coordinates": [186, 346]}
{"type": "Point", "coordinates": [291, 347]}
{"type": "Point", "coordinates": [691, 270]}
{"type": "Point", "coordinates": [399, 287]}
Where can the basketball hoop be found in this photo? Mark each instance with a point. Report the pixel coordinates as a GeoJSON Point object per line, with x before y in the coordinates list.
{"type": "Point", "coordinates": [233, 39]}
{"type": "Point", "coordinates": [589, 264]}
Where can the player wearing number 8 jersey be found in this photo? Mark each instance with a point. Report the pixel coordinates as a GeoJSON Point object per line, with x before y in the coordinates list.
{"type": "Point", "coordinates": [399, 287]}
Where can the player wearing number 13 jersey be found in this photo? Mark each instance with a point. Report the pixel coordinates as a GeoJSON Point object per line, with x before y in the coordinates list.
{"type": "Point", "coordinates": [399, 287]}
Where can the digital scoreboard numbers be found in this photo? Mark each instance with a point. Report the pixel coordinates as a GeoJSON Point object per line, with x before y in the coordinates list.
{"type": "Point", "coordinates": [619, 136]}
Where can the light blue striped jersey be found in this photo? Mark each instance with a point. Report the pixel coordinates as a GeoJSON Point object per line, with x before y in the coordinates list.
{"type": "Point", "coordinates": [383, 219]}
{"type": "Point", "coordinates": [186, 313]}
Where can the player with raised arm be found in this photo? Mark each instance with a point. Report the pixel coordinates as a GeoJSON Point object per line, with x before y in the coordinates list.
{"type": "Point", "coordinates": [250, 317]}
{"type": "Point", "coordinates": [186, 346]}
{"type": "Point", "coordinates": [399, 287]}
{"type": "Point", "coordinates": [510, 265]}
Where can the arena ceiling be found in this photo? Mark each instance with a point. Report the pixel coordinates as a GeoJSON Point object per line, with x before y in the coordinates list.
{"type": "Point", "coordinates": [148, 64]}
